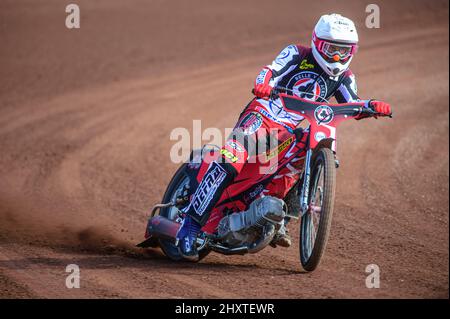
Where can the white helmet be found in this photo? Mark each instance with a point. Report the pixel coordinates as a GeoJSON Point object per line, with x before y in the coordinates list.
{"type": "Point", "coordinates": [334, 42]}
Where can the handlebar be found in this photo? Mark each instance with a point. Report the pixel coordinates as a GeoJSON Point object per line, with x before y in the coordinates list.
{"type": "Point", "coordinates": [279, 89]}
{"type": "Point", "coordinates": [371, 112]}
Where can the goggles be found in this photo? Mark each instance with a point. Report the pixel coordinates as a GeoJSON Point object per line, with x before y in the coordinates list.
{"type": "Point", "coordinates": [335, 52]}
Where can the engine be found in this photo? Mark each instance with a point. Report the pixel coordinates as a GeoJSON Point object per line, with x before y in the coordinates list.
{"type": "Point", "coordinates": [264, 216]}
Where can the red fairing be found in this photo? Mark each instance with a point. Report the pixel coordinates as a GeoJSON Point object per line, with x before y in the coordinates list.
{"type": "Point", "coordinates": [273, 172]}
{"type": "Point", "coordinates": [323, 118]}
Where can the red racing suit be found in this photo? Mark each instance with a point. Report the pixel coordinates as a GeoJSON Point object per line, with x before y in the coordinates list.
{"type": "Point", "coordinates": [263, 125]}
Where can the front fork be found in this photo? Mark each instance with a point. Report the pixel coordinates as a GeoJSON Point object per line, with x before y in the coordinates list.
{"type": "Point", "coordinates": [304, 194]}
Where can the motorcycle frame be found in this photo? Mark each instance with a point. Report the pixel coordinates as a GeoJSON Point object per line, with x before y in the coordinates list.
{"type": "Point", "coordinates": [309, 110]}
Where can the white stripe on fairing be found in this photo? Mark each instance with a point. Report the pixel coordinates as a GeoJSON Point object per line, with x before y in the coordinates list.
{"type": "Point", "coordinates": [292, 171]}
{"type": "Point", "coordinates": [281, 114]}
{"type": "Point", "coordinates": [332, 135]}
{"type": "Point", "coordinates": [332, 131]}
{"type": "Point", "coordinates": [297, 159]}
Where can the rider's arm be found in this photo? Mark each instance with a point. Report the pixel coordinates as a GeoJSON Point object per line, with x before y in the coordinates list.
{"type": "Point", "coordinates": [285, 62]}
{"type": "Point", "coordinates": [347, 92]}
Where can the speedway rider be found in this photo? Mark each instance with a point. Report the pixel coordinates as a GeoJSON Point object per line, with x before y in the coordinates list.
{"type": "Point", "coordinates": [316, 73]}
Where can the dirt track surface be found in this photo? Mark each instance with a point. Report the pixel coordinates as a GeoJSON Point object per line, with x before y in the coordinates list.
{"type": "Point", "coordinates": [85, 118]}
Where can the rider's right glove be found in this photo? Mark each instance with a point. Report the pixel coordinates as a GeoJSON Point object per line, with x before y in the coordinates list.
{"type": "Point", "coordinates": [383, 108]}
{"type": "Point", "coordinates": [262, 88]}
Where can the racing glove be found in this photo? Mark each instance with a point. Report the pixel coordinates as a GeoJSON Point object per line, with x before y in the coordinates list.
{"type": "Point", "coordinates": [380, 107]}
{"type": "Point", "coordinates": [262, 88]}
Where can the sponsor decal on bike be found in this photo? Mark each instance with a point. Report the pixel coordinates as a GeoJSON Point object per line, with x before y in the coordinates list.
{"type": "Point", "coordinates": [304, 65]}
{"type": "Point", "coordinates": [301, 81]}
{"type": "Point", "coordinates": [319, 136]}
{"type": "Point", "coordinates": [290, 152]}
{"type": "Point", "coordinates": [208, 187]}
{"type": "Point", "coordinates": [236, 146]}
{"type": "Point", "coordinates": [227, 154]}
{"type": "Point", "coordinates": [256, 191]}
{"type": "Point", "coordinates": [195, 163]}
{"type": "Point", "coordinates": [273, 118]}
{"type": "Point", "coordinates": [323, 114]}
{"type": "Point", "coordinates": [251, 123]}
{"type": "Point", "coordinates": [272, 153]}
{"type": "Point", "coordinates": [252, 193]}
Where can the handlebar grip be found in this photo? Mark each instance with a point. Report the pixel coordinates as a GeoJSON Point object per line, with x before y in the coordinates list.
{"type": "Point", "coordinates": [371, 112]}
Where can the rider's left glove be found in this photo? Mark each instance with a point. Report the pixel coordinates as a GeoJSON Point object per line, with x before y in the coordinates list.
{"type": "Point", "coordinates": [383, 108]}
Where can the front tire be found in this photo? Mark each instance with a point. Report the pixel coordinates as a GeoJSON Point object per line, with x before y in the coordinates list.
{"type": "Point", "coordinates": [316, 223]}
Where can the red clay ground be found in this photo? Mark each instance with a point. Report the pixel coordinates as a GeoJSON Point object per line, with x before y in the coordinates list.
{"type": "Point", "coordinates": [85, 118]}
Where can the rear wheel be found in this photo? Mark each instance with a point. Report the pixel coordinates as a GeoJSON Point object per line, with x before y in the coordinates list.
{"type": "Point", "coordinates": [175, 190]}
{"type": "Point", "coordinates": [316, 222]}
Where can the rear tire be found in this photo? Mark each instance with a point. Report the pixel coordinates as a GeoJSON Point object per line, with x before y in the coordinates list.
{"type": "Point", "coordinates": [322, 188]}
{"type": "Point", "coordinates": [177, 182]}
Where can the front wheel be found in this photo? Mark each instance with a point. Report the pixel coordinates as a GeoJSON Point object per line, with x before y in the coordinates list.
{"type": "Point", "coordinates": [316, 222]}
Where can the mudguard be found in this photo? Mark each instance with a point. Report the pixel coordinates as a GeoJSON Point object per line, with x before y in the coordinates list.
{"type": "Point", "coordinates": [326, 142]}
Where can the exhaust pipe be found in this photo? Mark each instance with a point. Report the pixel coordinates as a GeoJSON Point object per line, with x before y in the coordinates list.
{"type": "Point", "coordinates": [160, 227]}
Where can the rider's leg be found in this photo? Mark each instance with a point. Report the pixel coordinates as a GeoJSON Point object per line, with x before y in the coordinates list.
{"type": "Point", "coordinates": [218, 176]}
{"type": "Point", "coordinates": [216, 179]}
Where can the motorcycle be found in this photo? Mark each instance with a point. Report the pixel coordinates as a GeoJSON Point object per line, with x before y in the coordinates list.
{"type": "Point", "coordinates": [231, 229]}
